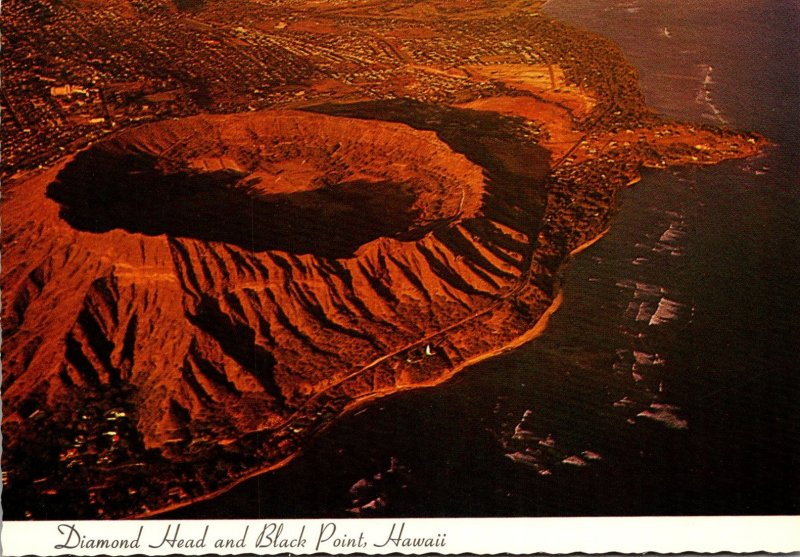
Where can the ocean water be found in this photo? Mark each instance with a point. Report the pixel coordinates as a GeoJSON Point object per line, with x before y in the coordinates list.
{"type": "Point", "coordinates": [667, 383]}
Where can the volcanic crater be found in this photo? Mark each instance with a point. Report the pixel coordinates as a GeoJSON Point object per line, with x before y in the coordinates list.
{"type": "Point", "coordinates": [231, 273]}
{"type": "Point", "coordinates": [289, 181]}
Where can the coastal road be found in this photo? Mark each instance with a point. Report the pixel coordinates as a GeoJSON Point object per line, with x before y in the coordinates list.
{"type": "Point", "coordinates": [516, 289]}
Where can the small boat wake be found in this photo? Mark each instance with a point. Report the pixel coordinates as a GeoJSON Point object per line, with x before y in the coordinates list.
{"type": "Point", "coordinates": [704, 97]}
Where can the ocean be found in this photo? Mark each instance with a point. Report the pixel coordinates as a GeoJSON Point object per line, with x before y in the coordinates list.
{"type": "Point", "coordinates": [667, 383]}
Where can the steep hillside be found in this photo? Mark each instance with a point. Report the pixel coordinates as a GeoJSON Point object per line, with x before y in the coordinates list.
{"type": "Point", "coordinates": [224, 270]}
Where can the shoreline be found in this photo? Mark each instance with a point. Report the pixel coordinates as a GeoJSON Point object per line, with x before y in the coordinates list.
{"type": "Point", "coordinates": [589, 243]}
{"type": "Point", "coordinates": [538, 328]}
{"type": "Point", "coordinates": [356, 404]}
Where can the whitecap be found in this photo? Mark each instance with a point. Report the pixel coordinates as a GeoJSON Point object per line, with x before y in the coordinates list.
{"type": "Point", "coordinates": [646, 359]}
{"type": "Point", "coordinates": [523, 458]}
{"type": "Point", "coordinates": [672, 234]}
{"type": "Point", "coordinates": [591, 455]}
{"type": "Point", "coordinates": [624, 402]}
{"type": "Point", "coordinates": [645, 312]}
{"type": "Point", "coordinates": [360, 485]}
{"type": "Point", "coordinates": [666, 311]}
{"type": "Point", "coordinates": [574, 460]}
{"type": "Point", "coordinates": [374, 505]}
{"type": "Point", "coordinates": [665, 414]}
{"type": "Point", "coordinates": [548, 442]}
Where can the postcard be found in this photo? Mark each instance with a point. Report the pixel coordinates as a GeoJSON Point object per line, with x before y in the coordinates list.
{"type": "Point", "coordinates": [400, 276]}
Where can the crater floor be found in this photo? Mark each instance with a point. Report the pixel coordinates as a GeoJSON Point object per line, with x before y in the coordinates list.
{"type": "Point", "coordinates": [286, 181]}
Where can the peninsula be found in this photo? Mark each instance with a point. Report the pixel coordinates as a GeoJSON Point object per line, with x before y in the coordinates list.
{"type": "Point", "coordinates": [228, 222]}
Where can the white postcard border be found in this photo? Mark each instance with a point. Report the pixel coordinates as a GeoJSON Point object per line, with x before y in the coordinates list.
{"type": "Point", "coordinates": [773, 534]}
